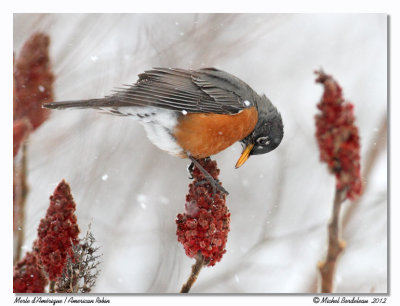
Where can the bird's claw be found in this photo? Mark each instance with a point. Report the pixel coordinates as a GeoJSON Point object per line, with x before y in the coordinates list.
{"type": "Point", "coordinates": [190, 170]}
{"type": "Point", "coordinates": [214, 183]}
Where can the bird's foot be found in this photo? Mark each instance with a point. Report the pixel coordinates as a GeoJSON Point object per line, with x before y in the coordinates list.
{"type": "Point", "coordinates": [190, 170]}
{"type": "Point", "coordinates": [214, 183]}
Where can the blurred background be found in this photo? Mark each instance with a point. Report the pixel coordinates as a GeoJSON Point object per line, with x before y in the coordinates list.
{"type": "Point", "coordinates": [280, 203]}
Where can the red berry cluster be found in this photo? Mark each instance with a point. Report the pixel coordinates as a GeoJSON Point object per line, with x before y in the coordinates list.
{"type": "Point", "coordinates": [57, 231]}
{"type": "Point", "coordinates": [337, 137]}
{"type": "Point", "coordinates": [33, 86]}
{"type": "Point", "coordinates": [33, 80]}
{"type": "Point", "coordinates": [204, 226]}
{"type": "Point", "coordinates": [29, 276]}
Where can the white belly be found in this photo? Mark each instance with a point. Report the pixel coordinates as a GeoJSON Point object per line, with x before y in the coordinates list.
{"type": "Point", "coordinates": [158, 123]}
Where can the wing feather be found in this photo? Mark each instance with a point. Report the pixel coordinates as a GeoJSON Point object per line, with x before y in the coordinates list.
{"type": "Point", "coordinates": [206, 90]}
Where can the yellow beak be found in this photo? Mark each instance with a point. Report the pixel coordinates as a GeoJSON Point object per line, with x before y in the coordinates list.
{"type": "Point", "coordinates": [245, 155]}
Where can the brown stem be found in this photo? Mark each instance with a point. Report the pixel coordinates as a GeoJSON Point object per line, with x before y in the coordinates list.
{"type": "Point", "coordinates": [335, 247]}
{"type": "Point", "coordinates": [21, 191]}
{"type": "Point", "coordinates": [196, 268]}
{"type": "Point", "coordinates": [52, 287]}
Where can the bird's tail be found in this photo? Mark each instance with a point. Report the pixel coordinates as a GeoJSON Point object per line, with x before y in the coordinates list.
{"type": "Point", "coordinates": [91, 103]}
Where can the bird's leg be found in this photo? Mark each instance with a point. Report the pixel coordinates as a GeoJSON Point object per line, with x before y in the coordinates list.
{"type": "Point", "coordinates": [203, 182]}
{"type": "Point", "coordinates": [190, 170]}
{"type": "Point", "coordinates": [208, 176]}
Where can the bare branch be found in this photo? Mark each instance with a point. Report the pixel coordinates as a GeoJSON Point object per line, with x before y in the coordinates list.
{"type": "Point", "coordinates": [196, 268]}
{"type": "Point", "coordinates": [335, 247]}
{"type": "Point", "coordinates": [20, 192]}
{"type": "Point", "coordinates": [81, 270]}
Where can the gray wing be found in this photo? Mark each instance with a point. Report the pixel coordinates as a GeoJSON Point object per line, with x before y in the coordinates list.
{"type": "Point", "coordinates": [196, 91]}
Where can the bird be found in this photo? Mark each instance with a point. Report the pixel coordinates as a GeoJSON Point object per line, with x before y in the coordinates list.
{"type": "Point", "coordinates": [194, 113]}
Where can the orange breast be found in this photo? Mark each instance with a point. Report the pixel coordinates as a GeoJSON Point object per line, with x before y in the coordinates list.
{"type": "Point", "coordinates": [204, 135]}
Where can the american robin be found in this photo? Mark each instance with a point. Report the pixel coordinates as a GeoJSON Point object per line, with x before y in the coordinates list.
{"type": "Point", "coordinates": [194, 113]}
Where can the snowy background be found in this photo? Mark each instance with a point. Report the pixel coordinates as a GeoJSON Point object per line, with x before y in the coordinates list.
{"type": "Point", "coordinates": [280, 203]}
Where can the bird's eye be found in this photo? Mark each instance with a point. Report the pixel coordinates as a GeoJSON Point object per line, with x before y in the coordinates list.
{"type": "Point", "coordinates": [263, 140]}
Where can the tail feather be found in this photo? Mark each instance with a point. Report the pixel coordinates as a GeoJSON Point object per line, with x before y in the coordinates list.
{"type": "Point", "coordinates": [91, 103]}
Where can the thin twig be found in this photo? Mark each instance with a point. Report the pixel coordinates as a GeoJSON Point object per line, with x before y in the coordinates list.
{"type": "Point", "coordinates": [81, 270]}
{"type": "Point", "coordinates": [52, 287]}
{"type": "Point", "coordinates": [196, 268]}
{"type": "Point", "coordinates": [335, 247]}
{"type": "Point", "coordinates": [21, 191]}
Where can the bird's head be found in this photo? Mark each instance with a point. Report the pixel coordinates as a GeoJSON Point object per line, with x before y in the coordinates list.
{"type": "Point", "coordinates": [267, 134]}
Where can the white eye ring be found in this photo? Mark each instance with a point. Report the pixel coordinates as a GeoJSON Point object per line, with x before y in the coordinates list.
{"type": "Point", "coordinates": [263, 140]}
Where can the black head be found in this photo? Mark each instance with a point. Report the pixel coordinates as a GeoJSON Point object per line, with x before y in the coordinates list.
{"type": "Point", "coordinates": [266, 136]}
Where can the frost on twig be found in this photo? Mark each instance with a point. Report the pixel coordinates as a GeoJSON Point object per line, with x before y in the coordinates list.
{"type": "Point", "coordinates": [81, 270]}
